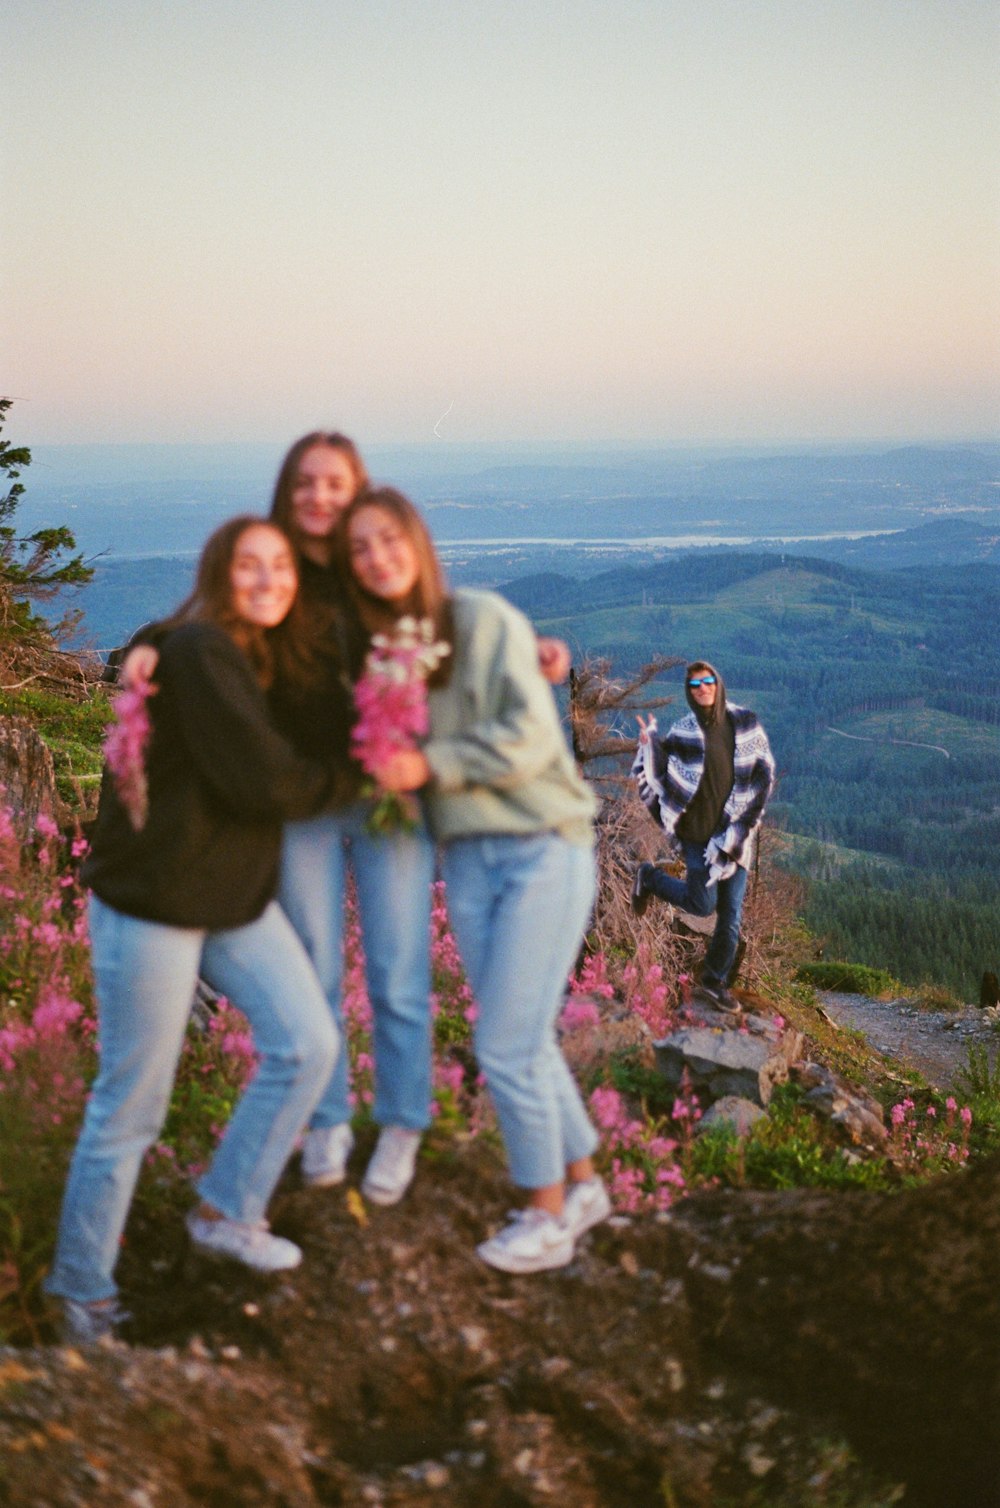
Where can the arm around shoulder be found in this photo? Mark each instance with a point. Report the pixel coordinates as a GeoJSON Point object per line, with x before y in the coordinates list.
{"type": "Point", "coordinates": [225, 723]}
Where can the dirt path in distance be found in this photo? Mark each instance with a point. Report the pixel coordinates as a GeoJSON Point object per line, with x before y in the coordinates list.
{"type": "Point", "coordinates": [934, 1042]}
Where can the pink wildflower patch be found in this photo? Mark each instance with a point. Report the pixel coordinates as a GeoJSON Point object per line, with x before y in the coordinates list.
{"type": "Point", "coordinates": [593, 978]}
{"type": "Point", "coordinates": [54, 1013]}
{"type": "Point", "coordinates": [125, 745]}
{"type": "Point", "coordinates": [579, 1013]}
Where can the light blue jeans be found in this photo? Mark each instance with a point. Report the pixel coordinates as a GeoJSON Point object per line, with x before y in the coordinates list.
{"type": "Point", "coordinates": [519, 907]}
{"type": "Point", "coordinates": [144, 977]}
{"type": "Point", "coordinates": [393, 875]}
{"type": "Point", "coordinates": [701, 896]}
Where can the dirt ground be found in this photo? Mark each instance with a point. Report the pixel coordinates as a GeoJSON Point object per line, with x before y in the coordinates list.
{"type": "Point", "coordinates": [934, 1042]}
{"type": "Point", "coordinates": [394, 1369]}
{"type": "Point", "coordinates": [684, 1360]}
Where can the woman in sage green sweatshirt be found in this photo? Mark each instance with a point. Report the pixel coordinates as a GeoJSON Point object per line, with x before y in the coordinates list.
{"type": "Point", "coordinates": [515, 821]}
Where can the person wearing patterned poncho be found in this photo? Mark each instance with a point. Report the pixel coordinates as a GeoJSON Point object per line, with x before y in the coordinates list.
{"type": "Point", "coordinates": [707, 784]}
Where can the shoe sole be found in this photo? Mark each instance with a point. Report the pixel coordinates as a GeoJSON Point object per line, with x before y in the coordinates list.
{"type": "Point", "coordinates": [640, 899]}
{"type": "Point", "coordinates": [323, 1180]}
{"type": "Point", "coordinates": [703, 998]}
{"type": "Point", "coordinates": [384, 1197]}
{"type": "Point", "coordinates": [523, 1269]}
{"type": "Point", "coordinates": [215, 1255]}
{"type": "Point", "coordinates": [595, 1219]}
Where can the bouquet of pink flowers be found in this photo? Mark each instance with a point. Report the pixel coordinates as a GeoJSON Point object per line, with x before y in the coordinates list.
{"type": "Point", "coordinates": [390, 698]}
{"type": "Point", "coordinates": [125, 744]}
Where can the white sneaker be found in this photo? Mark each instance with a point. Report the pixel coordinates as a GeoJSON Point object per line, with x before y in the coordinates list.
{"type": "Point", "coordinates": [534, 1241]}
{"type": "Point", "coordinates": [587, 1204]}
{"type": "Point", "coordinates": [324, 1155]}
{"type": "Point", "coordinates": [253, 1245]}
{"type": "Point", "coordinates": [393, 1163]}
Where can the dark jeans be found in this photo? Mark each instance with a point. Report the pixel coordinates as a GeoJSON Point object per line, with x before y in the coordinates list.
{"type": "Point", "coordinates": [697, 894]}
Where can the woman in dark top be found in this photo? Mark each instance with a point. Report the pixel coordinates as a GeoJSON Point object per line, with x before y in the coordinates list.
{"type": "Point", "coordinates": [192, 892]}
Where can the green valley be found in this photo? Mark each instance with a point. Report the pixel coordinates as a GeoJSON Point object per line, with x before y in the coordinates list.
{"type": "Point", "coordinates": [881, 694]}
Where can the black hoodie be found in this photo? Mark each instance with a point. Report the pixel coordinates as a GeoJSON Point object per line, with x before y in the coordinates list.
{"type": "Point", "coordinates": [703, 815]}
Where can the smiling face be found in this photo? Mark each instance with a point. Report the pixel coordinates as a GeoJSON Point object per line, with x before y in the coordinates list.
{"type": "Point", "coordinates": [383, 557]}
{"type": "Point", "coordinates": [703, 687]}
{"type": "Point", "coordinates": [324, 483]}
{"type": "Point", "coordinates": [262, 576]}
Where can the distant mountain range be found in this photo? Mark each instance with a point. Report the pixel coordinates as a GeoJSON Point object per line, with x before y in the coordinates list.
{"type": "Point", "coordinates": [501, 514]}
{"type": "Point", "coordinates": [163, 499]}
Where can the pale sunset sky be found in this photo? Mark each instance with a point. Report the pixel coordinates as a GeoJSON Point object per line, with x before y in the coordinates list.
{"type": "Point", "coordinates": [654, 222]}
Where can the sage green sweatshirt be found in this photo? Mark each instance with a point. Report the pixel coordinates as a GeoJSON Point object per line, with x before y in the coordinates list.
{"type": "Point", "coordinates": [497, 750]}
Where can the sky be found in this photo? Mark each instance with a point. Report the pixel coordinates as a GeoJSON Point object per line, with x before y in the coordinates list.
{"type": "Point", "coordinates": [664, 222]}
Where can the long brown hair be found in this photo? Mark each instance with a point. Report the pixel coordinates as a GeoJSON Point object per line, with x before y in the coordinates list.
{"type": "Point", "coordinates": [281, 501]}
{"type": "Point", "coordinates": [429, 597]}
{"type": "Point", "coordinates": [286, 651]}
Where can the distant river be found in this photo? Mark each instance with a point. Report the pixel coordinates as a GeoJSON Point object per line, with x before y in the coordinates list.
{"type": "Point", "coordinates": [662, 541]}
{"type": "Point", "coordinates": [502, 542]}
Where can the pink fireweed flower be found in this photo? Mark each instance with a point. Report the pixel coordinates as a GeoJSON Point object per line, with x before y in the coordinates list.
{"type": "Point", "coordinates": [646, 991]}
{"type": "Point", "coordinates": [607, 1108]}
{"type": "Point", "coordinates": [965, 1115]}
{"type": "Point", "coordinates": [449, 1077]}
{"type": "Point", "coordinates": [125, 744]}
{"type": "Point", "coordinates": [390, 698]}
{"type": "Point", "coordinates": [593, 978]}
{"type": "Point", "coordinates": [54, 1013]}
{"type": "Point", "coordinates": [579, 1013]}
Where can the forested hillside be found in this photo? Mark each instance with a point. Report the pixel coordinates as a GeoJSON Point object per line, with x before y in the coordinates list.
{"type": "Point", "coordinates": [881, 693]}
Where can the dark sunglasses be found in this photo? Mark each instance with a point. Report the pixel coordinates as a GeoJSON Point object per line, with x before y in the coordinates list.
{"type": "Point", "coordinates": [702, 680]}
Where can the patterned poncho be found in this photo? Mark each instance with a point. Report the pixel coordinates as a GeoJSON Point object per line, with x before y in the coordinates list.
{"type": "Point", "coordinates": [669, 770]}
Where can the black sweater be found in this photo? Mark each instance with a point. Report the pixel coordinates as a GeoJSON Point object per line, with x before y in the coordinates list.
{"type": "Point", "coordinates": [221, 781]}
{"type": "Point", "coordinates": [317, 718]}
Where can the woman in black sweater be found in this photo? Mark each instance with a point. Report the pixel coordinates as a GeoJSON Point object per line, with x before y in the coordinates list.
{"type": "Point", "coordinates": [191, 891]}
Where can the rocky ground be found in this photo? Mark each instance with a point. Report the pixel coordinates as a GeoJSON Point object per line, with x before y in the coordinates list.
{"type": "Point", "coordinates": [934, 1042]}
{"type": "Point", "coordinates": [686, 1361]}
{"type": "Point", "coordinates": [767, 1350]}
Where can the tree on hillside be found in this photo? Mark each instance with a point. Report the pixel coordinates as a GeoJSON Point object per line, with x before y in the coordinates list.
{"type": "Point", "coordinates": [33, 568]}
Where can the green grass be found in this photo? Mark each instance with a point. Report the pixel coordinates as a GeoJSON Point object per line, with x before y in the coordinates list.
{"type": "Point", "coordinates": [923, 725]}
{"type": "Point", "coordinates": [849, 978]}
{"type": "Point", "coordinates": [74, 732]}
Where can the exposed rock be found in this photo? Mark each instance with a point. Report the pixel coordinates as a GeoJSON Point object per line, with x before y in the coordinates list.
{"type": "Point", "coordinates": [857, 1114]}
{"type": "Point", "coordinates": [732, 1111]}
{"type": "Point", "coordinates": [27, 774]}
{"type": "Point", "coordinates": [723, 1061]}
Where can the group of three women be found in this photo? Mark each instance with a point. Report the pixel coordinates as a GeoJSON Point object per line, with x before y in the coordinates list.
{"type": "Point", "coordinates": [238, 874]}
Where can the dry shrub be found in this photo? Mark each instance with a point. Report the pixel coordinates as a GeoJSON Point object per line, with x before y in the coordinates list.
{"type": "Point", "coordinates": [626, 837]}
{"type": "Point", "coordinates": [770, 927]}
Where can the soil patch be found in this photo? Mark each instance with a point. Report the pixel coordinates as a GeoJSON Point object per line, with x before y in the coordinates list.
{"type": "Point", "coordinates": [936, 1043]}
{"type": "Point", "coordinates": [394, 1369]}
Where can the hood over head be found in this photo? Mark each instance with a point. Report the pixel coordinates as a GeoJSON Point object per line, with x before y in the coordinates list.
{"type": "Point", "coordinates": [707, 716]}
